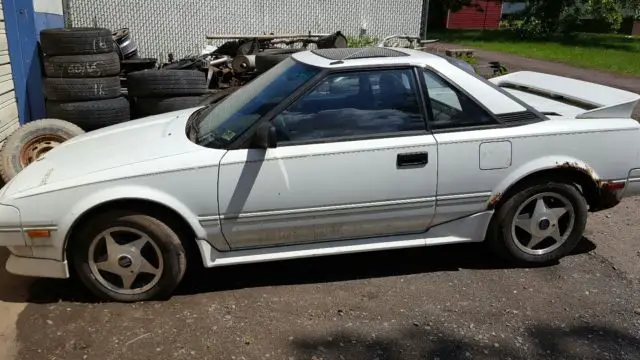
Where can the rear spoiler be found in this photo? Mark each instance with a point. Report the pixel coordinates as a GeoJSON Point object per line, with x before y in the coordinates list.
{"type": "Point", "coordinates": [599, 100]}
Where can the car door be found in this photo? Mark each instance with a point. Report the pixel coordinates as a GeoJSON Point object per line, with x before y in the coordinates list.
{"type": "Point", "coordinates": [353, 160]}
{"type": "Point", "coordinates": [474, 149]}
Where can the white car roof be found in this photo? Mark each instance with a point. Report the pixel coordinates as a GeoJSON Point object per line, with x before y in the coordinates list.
{"type": "Point", "coordinates": [348, 57]}
{"type": "Point", "coordinates": [483, 91]}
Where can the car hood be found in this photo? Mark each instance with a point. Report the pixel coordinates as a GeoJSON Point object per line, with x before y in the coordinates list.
{"type": "Point", "coordinates": [109, 148]}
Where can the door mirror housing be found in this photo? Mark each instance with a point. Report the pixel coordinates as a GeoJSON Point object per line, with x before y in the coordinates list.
{"type": "Point", "coordinates": [265, 136]}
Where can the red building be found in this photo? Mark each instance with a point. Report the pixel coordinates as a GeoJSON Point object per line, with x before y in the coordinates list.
{"type": "Point", "coordinates": [484, 14]}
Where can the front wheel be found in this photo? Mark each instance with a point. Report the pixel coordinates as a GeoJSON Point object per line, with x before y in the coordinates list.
{"type": "Point", "coordinates": [128, 257]}
{"type": "Point", "coordinates": [540, 224]}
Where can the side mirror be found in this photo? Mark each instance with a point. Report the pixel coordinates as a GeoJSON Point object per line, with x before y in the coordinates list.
{"type": "Point", "coordinates": [265, 136]}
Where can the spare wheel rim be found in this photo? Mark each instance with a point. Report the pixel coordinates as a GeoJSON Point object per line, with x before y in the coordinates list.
{"type": "Point", "coordinates": [35, 148]}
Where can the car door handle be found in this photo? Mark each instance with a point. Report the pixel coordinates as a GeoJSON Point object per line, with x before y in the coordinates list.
{"type": "Point", "coordinates": [412, 159]}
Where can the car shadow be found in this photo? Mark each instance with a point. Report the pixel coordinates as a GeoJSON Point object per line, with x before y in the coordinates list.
{"type": "Point", "coordinates": [305, 271]}
{"type": "Point", "coordinates": [432, 342]}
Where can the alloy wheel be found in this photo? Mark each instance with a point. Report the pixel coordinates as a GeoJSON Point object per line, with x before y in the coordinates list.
{"type": "Point", "coordinates": [543, 223]}
{"type": "Point", "coordinates": [125, 260]}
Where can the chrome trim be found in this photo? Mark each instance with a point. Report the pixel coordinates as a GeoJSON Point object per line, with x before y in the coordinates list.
{"type": "Point", "coordinates": [633, 180]}
{"type": "Point", "coordinates": [451, 199]}
{"type": "Point", "coordinates": [463, 199]}
{"type": "Point", "coordinates": [10, 230]}
{"type": "Point", "coordinates": [329, 208]}
{"type": "Point", "coordinates": [464, 196]}
{"type": "Point", "coordinates": [49, 228]}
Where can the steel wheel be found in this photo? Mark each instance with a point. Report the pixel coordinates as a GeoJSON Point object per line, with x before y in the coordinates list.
{"type": "Point", "coordinates": [543, 223]}
{"type": "Point", "coordinates": [125, 260]}
{"type": "Point", "coordinates": [37, 147]}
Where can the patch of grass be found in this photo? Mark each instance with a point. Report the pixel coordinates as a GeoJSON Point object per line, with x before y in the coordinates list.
{"type": "Point", "coordinates": [616, 53]}
{"type": "Point", "coordinates": [361, 41]}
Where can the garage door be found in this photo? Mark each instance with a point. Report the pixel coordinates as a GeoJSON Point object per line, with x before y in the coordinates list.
{"type": "Point", "coordinates": [8, 107]}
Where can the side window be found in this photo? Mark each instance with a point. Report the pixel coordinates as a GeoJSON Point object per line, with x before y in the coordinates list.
{"type": "Point", "coordinates": [344, 105]}
{"type": "Point", "coordinates": [451, 108]}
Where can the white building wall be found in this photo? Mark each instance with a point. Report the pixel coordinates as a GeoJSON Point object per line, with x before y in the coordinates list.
{"type": "Point", "coordinates": [48, 6]}
{"type": "Point", "coordinates": [8, 106]}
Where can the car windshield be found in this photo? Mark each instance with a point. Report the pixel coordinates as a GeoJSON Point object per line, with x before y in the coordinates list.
{"type": "Point", "coordinates": [219, 125]}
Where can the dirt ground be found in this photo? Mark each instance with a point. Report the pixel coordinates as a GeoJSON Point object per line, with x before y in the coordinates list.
{"type": "Point", "coordinates": [450, 302]}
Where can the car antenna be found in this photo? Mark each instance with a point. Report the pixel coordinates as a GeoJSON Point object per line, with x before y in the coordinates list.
{"type": "Point", "coordinates": [341, 61]}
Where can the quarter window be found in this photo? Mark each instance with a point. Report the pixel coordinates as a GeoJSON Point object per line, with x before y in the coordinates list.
{"type": "Point", "coordinates": [355, 104]}
{"type": "Point", "coordinates": [451, 108]}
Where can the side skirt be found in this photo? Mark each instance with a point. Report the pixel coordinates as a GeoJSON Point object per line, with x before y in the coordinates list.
{"type": "Point", "coordinates": [468, 229]}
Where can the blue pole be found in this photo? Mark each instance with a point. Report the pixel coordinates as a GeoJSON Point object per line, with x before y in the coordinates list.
{"type": "Point", "coordinates": [25, 58]}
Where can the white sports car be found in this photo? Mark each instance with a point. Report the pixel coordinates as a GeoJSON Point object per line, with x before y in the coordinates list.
{"type": "Point", "coordinates": [332, 151]}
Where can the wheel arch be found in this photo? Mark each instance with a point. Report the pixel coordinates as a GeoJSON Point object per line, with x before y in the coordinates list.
{"type": "Point", "coordinates": [149, 202]}
{"type": "Point", "coordinates": [576, 171]}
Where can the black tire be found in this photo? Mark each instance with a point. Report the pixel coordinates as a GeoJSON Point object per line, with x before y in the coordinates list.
{"type": "Point", "coordinates": [82, 66]}
{"type": "Point", "coordinates": [76, 41]}
{"type": "Point", "coordinates": [215, 97]}
{"type": "Point", "coordinates": [500, 237]}
{"type": "Point", "coordinates": [152, 106]}
{"type": "Point", "coordinates": [62, 89]}
{"type": "Point", "coordinates": [165, 238]}
{"type": "Point", "coordinates": [335, 40]}
{"type": "Point", "coordinates": [45, 130]}
{"type": "Point", "coordinates": [166, 83]}
{"type": "Point", "coordinates": [91, 115]}
{"type": "Point", "coordinates": [270, 58]}
{"type": "Point", "coordinates": [133, 65]}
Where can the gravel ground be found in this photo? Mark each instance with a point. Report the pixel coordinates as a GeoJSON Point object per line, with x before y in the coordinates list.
{"type": "Point", "coordinates": [447, 302]}
{"type": "Point", "coordinates": [450, 302]}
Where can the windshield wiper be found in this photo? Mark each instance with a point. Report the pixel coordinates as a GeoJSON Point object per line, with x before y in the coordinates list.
{"type": "Point", "coordinates": [193, 128]}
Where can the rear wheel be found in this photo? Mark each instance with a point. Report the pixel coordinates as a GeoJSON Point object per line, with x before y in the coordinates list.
{"type": "Point", "coordinates": [125, 256]}
{"type": "Point", "coordinates": [540, 224]}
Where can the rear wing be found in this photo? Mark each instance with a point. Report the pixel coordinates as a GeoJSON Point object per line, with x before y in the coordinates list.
{"type": "Point", "coordinates": [600, 101]}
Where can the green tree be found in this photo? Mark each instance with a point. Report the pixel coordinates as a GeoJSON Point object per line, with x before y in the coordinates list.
{"type": "Point", "coordinates": [546, 17]}
{"type": "Point", "coordinates": [606, 12]}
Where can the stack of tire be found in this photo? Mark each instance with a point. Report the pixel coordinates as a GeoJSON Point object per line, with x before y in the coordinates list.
{"type": "Point", "coordinates": [155, 92]}
{"type": "Point", "coordinates": [82, 84]}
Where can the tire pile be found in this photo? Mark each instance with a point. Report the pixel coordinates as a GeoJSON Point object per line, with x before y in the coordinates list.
{"type": "Point", "coordinates": [155, 92]}
{"type": "Point", "coordinates": [82, 85]}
